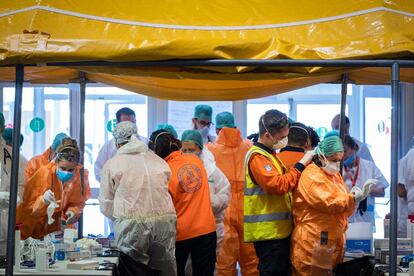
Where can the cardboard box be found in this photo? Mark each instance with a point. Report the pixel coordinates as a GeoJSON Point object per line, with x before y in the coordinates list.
{"type": "Point", "coordinates": [83, 265]}
{"type": "Point", "coordinates": [65, 247]}
{"type": "Point", "coordinates": [402, 243]}
{"type": "Point", "coordinates": [381, 254]}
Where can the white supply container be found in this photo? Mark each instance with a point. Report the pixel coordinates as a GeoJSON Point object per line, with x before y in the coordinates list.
{"type": "Point", "coordinates": [359, 237]}
{"type": "Point", "coordinates": [42, 259]}
{"type": "Point", "coordinates": [69, 235]}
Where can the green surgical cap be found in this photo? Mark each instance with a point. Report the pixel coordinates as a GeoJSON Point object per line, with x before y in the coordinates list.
{"type": "Point", "coordinates": [58, 141]}
{"type": "Point", "coordinates": [192, 136]}
{"type": "Point", "coordinates": [224, 119]}
{"type": "Point", "coordinates": [329, 146]}
{"type": "Point", "coordinates": [331, 133]}
{"type": "Point", "coordinates": [169, 128]}
{"type": "Point", "coordinates": [203, 112]}
{"type": "Point", "coordinates": [8, 136]}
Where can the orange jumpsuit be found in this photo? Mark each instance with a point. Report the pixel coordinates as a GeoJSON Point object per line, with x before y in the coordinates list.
{"type": "Point", "coordinates": [36, 163]}
{"type": "Point", "coordinates": [266, 176]}
{"type": "Point", "coordinates": [321, 207]}
{"type": "Point", "coordinates": [229, 151]}
{"type": "Point", "coordinates": [290, 156]}
{"type": "Point", "coordinates": [191, 196]}
{"type": "Point", "coordinates": [32, 212]}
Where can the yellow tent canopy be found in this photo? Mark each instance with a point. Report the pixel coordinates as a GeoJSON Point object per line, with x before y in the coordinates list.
{"type": "Point", "coordinates": [44, 31]}
{"type": "Point", "coordinates": [201, 89]}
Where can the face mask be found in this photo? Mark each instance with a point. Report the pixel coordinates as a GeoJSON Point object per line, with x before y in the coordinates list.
{"type": "Point", "coordinates": [204, 131]}
{"type": "Point", "coordinates": [350, 160]}
{"type": "Point", "coordinates": [331, 168]}
{"type": "Point", "coordinates": [64, 175]}
{"type": "Point", "coordinates": [281, 144]}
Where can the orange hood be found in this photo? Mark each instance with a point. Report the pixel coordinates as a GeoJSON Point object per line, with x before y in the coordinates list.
{"type": "Point", "coordinates": [230, 137]}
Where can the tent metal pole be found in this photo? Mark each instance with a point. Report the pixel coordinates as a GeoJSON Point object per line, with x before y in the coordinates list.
{"type": "Point", "coordinates": [82, 90]}
{"type": "Point", "coordinates": [344, 93]}
{"type": "Point", "coordinates": [395, 90]}
{"type": "Point", "coordinates": [15, 169]}
{"type": "Point", "coordinates": [243, 62]}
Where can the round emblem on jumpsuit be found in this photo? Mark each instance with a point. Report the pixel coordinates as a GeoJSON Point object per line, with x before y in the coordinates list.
{"type": "Point", "coordinates": [190, 178]}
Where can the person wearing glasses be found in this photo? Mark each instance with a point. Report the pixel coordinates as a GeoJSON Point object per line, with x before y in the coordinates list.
{"type": "Point", "coordinates": [43, 159]}
{"type": "Point", "coordinates": [55, 195]}
{"type": "Point", "coordinates": [202, 122]}
{"type": "Point", "coordinates": [267, 195]}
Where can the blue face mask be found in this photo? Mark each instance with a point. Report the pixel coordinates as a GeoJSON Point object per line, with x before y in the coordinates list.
{"type": "Point", "coordinates": [64, 176]}
{"type": "Point", "coordinates": [350, 160]}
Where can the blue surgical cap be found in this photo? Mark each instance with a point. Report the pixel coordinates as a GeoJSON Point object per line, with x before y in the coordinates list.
{"type": "Point", "coordinates": [58, 141]}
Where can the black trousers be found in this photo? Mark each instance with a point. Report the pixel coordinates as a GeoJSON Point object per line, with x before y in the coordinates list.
{"type": "Point", "coordinates": [203, 254]}
{"type": "Point", "coordinates": [273, 257]}
{"type": "Point", "coordinates": [129, 267]}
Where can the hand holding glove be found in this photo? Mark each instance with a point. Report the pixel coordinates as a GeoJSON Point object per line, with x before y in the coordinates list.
{"type": "Point", "coordinates": [368, 185]}
{"type": "Point", "coordinates": [358, 194]}
{"type": "Point", "coordinates": [49, 197]}
{"type": "Point", "coordinates": [307, 158]}
{"type": "Point", "coordinates": [4, 199]}
{"type": "Point", "coordinates": [71, 217]}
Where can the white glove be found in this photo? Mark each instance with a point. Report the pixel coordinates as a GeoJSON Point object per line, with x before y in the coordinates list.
{"type": "Point", "coordinates": [307, 158]}
{"type": "Point", "coordinates": [71, 217]}
{"type": "Point", "coordinates": [49, 197]}
{"type": "Point", "coordinates": [358, 194]}
{"type": "Point", "coordinates": [4, 199]}
{"type": "Point", "coordinates": [368, 185]}
{"type": "Point", "coordinates": [50, 211]}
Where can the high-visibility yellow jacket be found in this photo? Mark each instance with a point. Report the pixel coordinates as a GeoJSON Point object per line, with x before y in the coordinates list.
{"type": "Point", "coordinates": [266, 216]}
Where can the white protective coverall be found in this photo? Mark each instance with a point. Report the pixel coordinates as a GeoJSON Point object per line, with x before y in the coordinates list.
{"type": "Point", "coordinates": [220, 192]}
{"type": "Point", "coordinates": [108, 151]}
{"type": "Point", "coordinates": [134, 192]}
{"type": "Point", "coordinates": [367, 170]}
{"type": "Point", "coordinates": [406, 178]}
{"type": "Point", "coordinates": [5, 170]}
